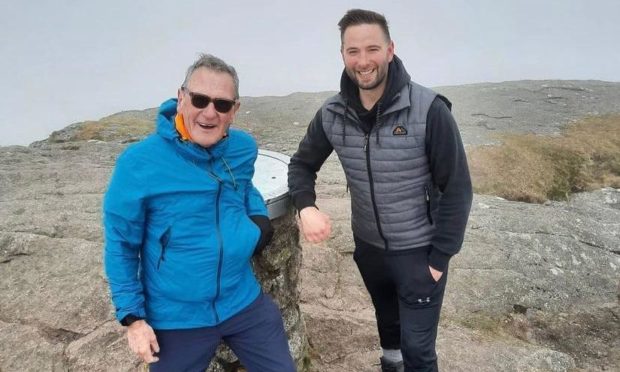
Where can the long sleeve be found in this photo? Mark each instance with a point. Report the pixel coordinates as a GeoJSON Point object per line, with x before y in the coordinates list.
{"type": "Point", "coordinates": [124, 218]}
{"type": "Point", "coordinates": [450, 174]}
{"type": "Point", "coordinates": [313, 150]}
{"type": "Point", "coordinates": [258, 213]}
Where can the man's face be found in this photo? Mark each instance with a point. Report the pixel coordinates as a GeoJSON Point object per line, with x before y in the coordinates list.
{"type": "Point", "coordinates": [207, 126]}
{"type": "Point", "coordinates": [366, 54]}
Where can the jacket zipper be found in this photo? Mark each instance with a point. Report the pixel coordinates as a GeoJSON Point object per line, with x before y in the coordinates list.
{"type": "Point", "coordinates": [220, 240]}
{"type": "Point", "coordinates": [372, 189]}
{"type": "Point", "coordinates": [220, 247]}
{"type": "Point", "coordinates": [427, 196]}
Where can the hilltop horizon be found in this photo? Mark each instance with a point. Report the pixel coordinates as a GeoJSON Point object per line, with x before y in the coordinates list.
{"type": "Point", "coordinates": [323, 93]}
{"type": "Point", "coordinates": [77, 72]}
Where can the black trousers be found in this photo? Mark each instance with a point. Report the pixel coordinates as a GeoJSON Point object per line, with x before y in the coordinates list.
{"type": "Point", "coordinates": [407, 301]}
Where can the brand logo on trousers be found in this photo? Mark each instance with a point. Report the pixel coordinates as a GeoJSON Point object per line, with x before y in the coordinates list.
{"type": "Point", "coordinates": [399, 131]}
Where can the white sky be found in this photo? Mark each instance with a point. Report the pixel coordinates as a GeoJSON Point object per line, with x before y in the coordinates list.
{"type": "Point", "coordinates": [63, 61]}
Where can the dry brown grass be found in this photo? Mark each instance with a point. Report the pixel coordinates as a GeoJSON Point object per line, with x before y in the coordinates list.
{"type": "Point", "coordinates": [535, 168]}
{"type": "Point", "coordinates": [123, 126]}
{"type": "Point", "coordinates": [113, 128]}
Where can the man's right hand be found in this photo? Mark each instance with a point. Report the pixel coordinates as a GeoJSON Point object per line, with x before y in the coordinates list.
{"type": "Point", "coordinates": [142, 341]}
{"type": "Point", "coordinates": [315, 225]}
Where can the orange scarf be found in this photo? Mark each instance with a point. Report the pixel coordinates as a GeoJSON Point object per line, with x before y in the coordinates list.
{"type": "Point", "coordinates": [180, 127]}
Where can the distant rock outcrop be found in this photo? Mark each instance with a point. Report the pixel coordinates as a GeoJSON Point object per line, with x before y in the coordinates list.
{"type": "Point", "coordinates": [535, 288]}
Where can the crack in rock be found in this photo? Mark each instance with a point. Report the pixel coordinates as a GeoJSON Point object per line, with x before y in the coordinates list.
{"type": "Point", "coordinates": [491, 116]}
{"type": "Point", "coordinates": [574, 89]}
{"type": "Point", "coordinates": [593, 245]}
{"type": "Point", "coordinates": [576, 238]}
{"type": "Point", "coordinates": [46, 234]}
{"type": "Point", "coordinates": [57, 234]}
{"type": "Point", "coordinates": [486, 126]}
{"type": "Point", "coordinates": [59, 335]}
{"type": "Point", "coordinates": [12, 256]}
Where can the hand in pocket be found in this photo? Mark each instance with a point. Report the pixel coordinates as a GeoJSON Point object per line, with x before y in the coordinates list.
{"type": "Point", "coordinates": [436, 274]}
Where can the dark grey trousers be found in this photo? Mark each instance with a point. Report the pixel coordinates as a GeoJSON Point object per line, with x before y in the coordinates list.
{"type": "Point", "coordinates": [256, 335]}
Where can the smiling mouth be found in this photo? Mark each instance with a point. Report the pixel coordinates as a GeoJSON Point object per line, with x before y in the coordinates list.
{"type": "Point", "coordinates": [366, 73]}
{"type": "Point", "coordinates": [207, 126]}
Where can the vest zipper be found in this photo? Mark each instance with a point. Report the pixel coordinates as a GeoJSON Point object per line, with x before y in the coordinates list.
{"type": "Point", "coordinates": [372, 188]}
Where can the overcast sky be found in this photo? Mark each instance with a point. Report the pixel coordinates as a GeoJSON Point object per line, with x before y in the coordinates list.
{"type": "Point", "coordinates": [65, 61]}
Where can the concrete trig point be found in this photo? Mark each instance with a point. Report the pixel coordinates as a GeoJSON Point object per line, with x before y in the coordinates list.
{"type": "Point", "coordinates": [270, 178]}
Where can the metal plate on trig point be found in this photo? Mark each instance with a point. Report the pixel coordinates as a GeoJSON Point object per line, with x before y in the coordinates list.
{"type": "Point", "coordinates": [270, 178]}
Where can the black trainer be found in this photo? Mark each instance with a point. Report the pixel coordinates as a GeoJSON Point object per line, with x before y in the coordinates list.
{"type": "Point", "coordinates": [387, 366]}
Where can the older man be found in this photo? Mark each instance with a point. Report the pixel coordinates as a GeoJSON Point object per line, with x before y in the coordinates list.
{"type": "Point", "coordinates": [182, 221]}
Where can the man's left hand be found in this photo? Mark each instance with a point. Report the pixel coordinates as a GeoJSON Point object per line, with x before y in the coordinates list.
{"type": "Point", "coordinates": [435, 273]}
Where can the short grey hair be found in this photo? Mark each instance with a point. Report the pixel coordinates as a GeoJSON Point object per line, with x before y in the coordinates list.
{"type": "Point", "coordinates": [213, 63]}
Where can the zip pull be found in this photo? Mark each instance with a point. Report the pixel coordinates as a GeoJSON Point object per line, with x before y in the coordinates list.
{"type": "Point", "coordinates": [366, 137]}
{"type": "Point", "coordinates": [232, 176]}
{"type": "Point", "coordinates": [215, 177]}
{"type": "Point", "coordinates": [212, 174]}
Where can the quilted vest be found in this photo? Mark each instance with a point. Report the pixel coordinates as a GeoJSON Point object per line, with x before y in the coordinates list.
{"type": "Point", "coordinates": [387, 169]}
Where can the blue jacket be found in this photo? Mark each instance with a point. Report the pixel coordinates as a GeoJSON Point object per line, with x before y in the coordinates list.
{"type": "Point", "coordinates": [178, 236]}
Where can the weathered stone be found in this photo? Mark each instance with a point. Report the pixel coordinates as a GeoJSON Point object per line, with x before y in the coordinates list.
{"type": "Point", "coordinates": [24, 348]}
{"type": "Point", "coordinates": [104, 349]}
{"type": "Point", "coordinates": [535, 288]}
{"type": "Point", "coordinates": [51, 274]}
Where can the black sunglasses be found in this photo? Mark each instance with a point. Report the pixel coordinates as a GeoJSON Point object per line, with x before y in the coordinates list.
{"type": "Point", "coordinates": [201, 101]}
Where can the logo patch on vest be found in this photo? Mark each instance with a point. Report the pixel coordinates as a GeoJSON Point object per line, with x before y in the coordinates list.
{"type": "Point", "coordinates": [399, 131]}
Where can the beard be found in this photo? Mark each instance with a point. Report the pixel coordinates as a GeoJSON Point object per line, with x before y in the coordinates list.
{"type": "Point", "coordinates": [379, 79]}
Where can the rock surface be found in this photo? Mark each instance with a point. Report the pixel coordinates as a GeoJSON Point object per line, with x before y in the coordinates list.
{"type": "Point", "coordinates": [55, 312]}
{"type": "Point", "coordinates": [535, 288]}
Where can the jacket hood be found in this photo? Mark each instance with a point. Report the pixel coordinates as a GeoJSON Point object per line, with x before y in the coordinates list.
{"type": "Point", "coordinates": [165, 120]}
{"type": "Point", "coordinates": [166, 129]}
{"type": "Point", "coordinates": [397, 78]}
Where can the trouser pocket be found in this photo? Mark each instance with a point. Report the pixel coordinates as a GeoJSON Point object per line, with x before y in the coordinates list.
{"type": "Point", "coordinates": [415, 284]}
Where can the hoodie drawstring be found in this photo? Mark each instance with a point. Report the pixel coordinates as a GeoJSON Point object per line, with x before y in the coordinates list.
{"type": "Point", "coordinates": [212, 174]}
{"type": "Point", "coordinates": [231, 173]}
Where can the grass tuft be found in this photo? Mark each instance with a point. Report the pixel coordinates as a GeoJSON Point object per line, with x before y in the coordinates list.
{"type": "Point", "coordinates": [535, 169]}
{"type": "Point", "coordinates": [121, 126]}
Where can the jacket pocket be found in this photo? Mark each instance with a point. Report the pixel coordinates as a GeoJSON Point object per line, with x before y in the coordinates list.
{"type": "Point", "coordinates": [164, 239]}
{"type": "Point", "coordinates": [427, 197]}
